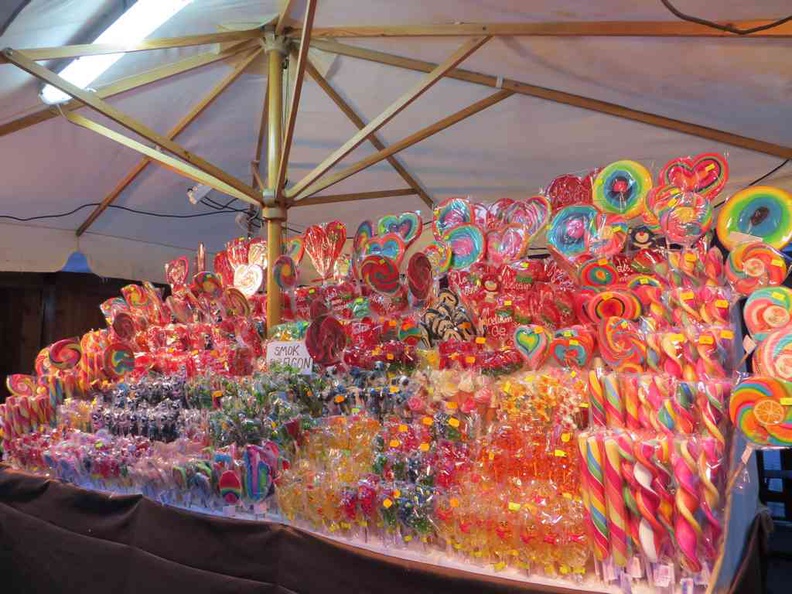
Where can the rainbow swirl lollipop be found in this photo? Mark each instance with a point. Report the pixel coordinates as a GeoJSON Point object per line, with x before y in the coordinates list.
{"type": "Point", "coordinates": [612, 304]}
{"type": "Point", "coordinates": [622, 344]}
{"type": "Point", "coordinates": [597, 274]}
{"type": "Point", "coordinates": [686, 218]}
{"type": "Point", "coordinates": [767, 309]}
{"type": "Point", "coordinates": [755, 264]}
{"type": "Point", "coordinates": [773, 356]}
{"type": "Point", "coordinates": [21, 385]}
{"type": "Point", "coordinates": [118, 360]}
{"type": "Point", "coordinates": [572, 347]}
{"type": "Point", "coordinates": [570, 230]}
{"type": "Point", "coordinates": [467, 245]}
{"type": "Point", "coordinates": [66, 353]}
{"type": "Point", "coordinates": [704, 174]}
{"type": "Point", "coordinates": [760, 408]}
{"type": "Point", "coordinates": [759, 211]}
{"type": "Point", "coordinates": [451, 213]}
{"type": "Point", "coordinates": [621, 188]}
{"type": "Point", "coordinates": [285, 273]}
{"type": "Point", "coordinates": [439, 255]}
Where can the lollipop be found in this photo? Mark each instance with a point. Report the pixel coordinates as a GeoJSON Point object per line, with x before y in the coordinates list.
{"type": "Point", "coordinates": [285, 273]}
{"type": "Point", "coordinates": [608, 235]}
{"type": "Point", "coordinates": [248, 278]}
{"type": "Point", "coordinates": [365, 231]}
{"type": "Point", "coordinates": [754, 264]}
{"type": "Point", "coordinates": [533, 214]}
{"type": "Point", "coordinates": [257, 252]}
{"type": "Point", "coordinates": [208, 283]}
{"type": "Point", "coordinates": [767, 309]}
{"type": "Point", "coordinates": [533, 343]}
{"type": "Point", "coordinates": [112, 307]}
{"type": "Point", "coordinates": [325, 340]}
{"type": "Point", "coordinates": [762, 212]}
{"type": "Point", "coordinates": [390, 245]}
{"type": "Point", "coordinates": [380, 274]}
{"type": "Point", "coordinates": [507, 244]}
{"type": "Point", "coordinates": [570, 230]}
{"type": "Point", "coordinates": [66, 353]}
{"type": "Point", "coordinates": [451, 213]}
{"type": "Point", "coordinates": [622, 344]}
{"type": "Point", "coordinates": [704, 174]}
{"type": "Point", "coordinates": [759, 406]}
{"type": "Point", "coordinates": [466, 243]}
{"type": "Point", "coordinates": [21, 385]}
{"type": "Point", "coordinates": [324, 244]}
{"type": "Point", "coordinates": [597, 274]}
{"type": "Point", "coordinates": [686, 219]}
{"type": "Point", "coordinates": [773, 356]}
{"type": "Point", "coordinates": [136, 296]}
{"type": "Point", "coordinates": [118, 360]}
{"type": "Point", "coordinates": [419, 276]}
{"type": "Point", "coordinates": [621, 188]}
{"type": "Point", "coordinates": [223, 268]}
{"type": "Point", "coordinates": [176, 271]}
{"type": "Point", "coordinates": [124, 326]}
{"type": "Point", "coordinates": [439, 255]}
{"type": "Point", "coordinates": [295, 249]}
{"type": "Point", "coordinates": [568, 190]}
{"type": "Point", "coordinates": [408, 225]}
{"type": "Point", "coordinates": [572, 347]}
{"type": "Point", "coordinates": [236, 302]}
{"type": "Point", "coordinates": [237, 251]}
{"type": "Point", "coordinates": [612, 303]}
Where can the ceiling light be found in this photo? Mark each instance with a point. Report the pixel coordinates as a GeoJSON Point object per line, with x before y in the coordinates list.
{"type": "Point", "coordinates": [132, 27]}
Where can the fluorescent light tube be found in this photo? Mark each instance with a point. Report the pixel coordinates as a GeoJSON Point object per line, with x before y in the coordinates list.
{"type": "Point", "coordinates": [141, 20]}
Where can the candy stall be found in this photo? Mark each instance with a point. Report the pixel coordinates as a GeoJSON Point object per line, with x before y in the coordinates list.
{"type": "Point", "coordinates": [499, 378]}
{"type": "Point", "coordinates": [441, 394]}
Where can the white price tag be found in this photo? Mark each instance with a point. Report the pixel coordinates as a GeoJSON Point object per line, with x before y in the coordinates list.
{"type": "Point", "coordinates": [663, 576]}
{"type": "Point", "coordinates": [293, 353]}
{"type": "Point", "coordinates": [230, 511]}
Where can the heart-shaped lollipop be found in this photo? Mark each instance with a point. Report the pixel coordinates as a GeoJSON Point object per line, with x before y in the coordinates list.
{"type": "Point", "coordinates": [408, 225]}
{"type": "Point", "coordinates": [324, 244]}
{"type": "Point", "coordinates": [704, 174]}
{"type": "Point", "coordinates": [380, 274]}
{"type": "Point", "coordinates": [325, 340]}
{"type": "Point", "coordinates": [533, 343]}
{"type": "Point", "coordinates": [285, 272]}
{"type": "Point", "coordinates": [223, 268]}
{"type": "Point", "coordinates": [248, 279]}
{"type": "Point", "coordinates": [389, 245]}
{"type": "Point", "coordinates": [176, 271]}
{"type": "Point", "coordinates": [467, 244]}
{"type": "Point", "coordinates": [257, 252]}
{"type": "Point", "coordinates": [533, 214]}
{"type": "Point", "coordinates": [295, 249]}
{"type": "Point", "coordinates": [451, 213]}
{"type": "Point", "coordinates": [568, 190]}
{"type": "Point", "coordinates": [496, 213]}
{"type": "Point", "coordinates": [237, 250]}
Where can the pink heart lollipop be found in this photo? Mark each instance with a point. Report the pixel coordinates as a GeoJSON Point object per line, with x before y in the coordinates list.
{"type": "Point", "coordinates": [176, 271]}
{"type": "Point", "coordinates": [324, 244]}
{"type": "Point", "coordinates": [223, 269]}
{"type": "Point", "coordinates": [507, 244]}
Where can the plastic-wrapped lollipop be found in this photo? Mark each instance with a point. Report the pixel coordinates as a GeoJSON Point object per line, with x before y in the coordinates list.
{"type": "Point", "coordinates": [754, 264]}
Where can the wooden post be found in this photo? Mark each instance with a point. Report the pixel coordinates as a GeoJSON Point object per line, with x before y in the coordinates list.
{"type": "Point", "coordinates": [274, 212]}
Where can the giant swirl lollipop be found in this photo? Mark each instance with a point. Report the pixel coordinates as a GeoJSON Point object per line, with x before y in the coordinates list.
{"type": "Point", "coordinates": [762, 212]}
{"type": "Point", "coordinates": [767, 309]}
{"type": "Point", "coordinates": [759, 408]}
{"type": "Point", "coordinates": [621, 188]}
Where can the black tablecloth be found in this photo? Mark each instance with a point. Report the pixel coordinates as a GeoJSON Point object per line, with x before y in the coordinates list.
{"type": "Point", "coordinates": [59, 538]}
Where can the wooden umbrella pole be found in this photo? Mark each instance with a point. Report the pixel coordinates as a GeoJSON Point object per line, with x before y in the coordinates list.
{"type": "Point", "coordinates": [274, 212]}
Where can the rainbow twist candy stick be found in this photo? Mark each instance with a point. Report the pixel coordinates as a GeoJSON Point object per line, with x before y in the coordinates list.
{"type": "Point", "coordinates": [628, 387]}
{"type": "Point", "coordinates": [617, 511]}
{"type": "Point", "coordinates": [585, 493]}
{"type": "Point", "coordinates": [596, 398]}
{"type": "Point", "coordinates": [614, 407]}
{"type": "Point", "coordinates": [684, 406]}
{"type": "Point", "coordinates": [651, 532]}
{"type": "Point", "coordinates": [597, 501]}
{"type": "Point", "coordinates": [709, 464]}
{"type": "Point", "coordinates": [630, 487]}
{"type": "Point", "coordinates": [686, 504]}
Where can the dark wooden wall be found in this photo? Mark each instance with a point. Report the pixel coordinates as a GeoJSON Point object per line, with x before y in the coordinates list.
{"type": "Point", "coordinates": [38, 309]}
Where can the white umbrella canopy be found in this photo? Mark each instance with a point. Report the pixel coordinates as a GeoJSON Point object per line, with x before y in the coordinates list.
{"type": "Point", "coordinates": [514, 148]}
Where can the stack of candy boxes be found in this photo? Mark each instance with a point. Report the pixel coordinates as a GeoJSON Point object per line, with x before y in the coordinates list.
{"type": "Point", "coordinates": [563, 416]}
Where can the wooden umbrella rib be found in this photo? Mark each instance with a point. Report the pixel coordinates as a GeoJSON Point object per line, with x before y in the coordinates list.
{"type": "Point", "coordinates": [405, 143]}
{"type": "Point", "coordinates": [193, 114]}
{"type": "Point", "coordinates": [291, 119]}
{"type": "Point", "coordinates": [99, 49]}
{"type": "Point", "coordinates": [126, 121]}
{"type": "Point", "coordinates": [671, 28]}
{"type": "Point", "coordinates": [582, 102]}
{"type": "Point", "coordinates": [389, 113]}
{"type": "Point", "coordinates": [283, 17]}
{"type": "Point", "coordinates": [129, 83]}
{"type": "Point", "coordinates": [374, 139]}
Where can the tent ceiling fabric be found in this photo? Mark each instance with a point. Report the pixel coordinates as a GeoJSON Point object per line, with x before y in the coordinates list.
{"type": "Point", "coordinates": [511, 149]}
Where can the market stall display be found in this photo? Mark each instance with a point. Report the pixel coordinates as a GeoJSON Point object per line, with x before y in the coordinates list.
{"type": "Point", "coordinates": [565, 416]}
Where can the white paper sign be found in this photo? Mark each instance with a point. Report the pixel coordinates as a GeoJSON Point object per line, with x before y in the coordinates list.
{"type": "Point", "coordinates": [291, 353]}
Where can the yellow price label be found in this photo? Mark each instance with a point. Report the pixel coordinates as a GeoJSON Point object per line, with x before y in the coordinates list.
{"type": "Point", "coordinates": [507, 303]}
{"type": "Point", "coordinates": [721, 303]}
{"type": "Point", "coordinates": [408, 538]}
{"type": "Point", "coordinates": [454, 502]}
{"type": "Point", "coordinates": [339, 399]}
{"type": "Point", "coordinates": [481, 340]}
{"type": "Point", "coordinates": [563, 569]}
{"type": "Point", "coordinates": [499, 566]}
{"type": "Point", "coordinates": [706, 339]}
{"type": "Point", "coordinates": [424, 447]}
{"type": "Point", "coordinates": [389, 356]}
{"type": "Point", "coordinates": [387, 504]}
{"type": "Point", "coordinates": [602, 261]}
{"type": "Point", "coordinates": [451, 405]}
{"type": "Point", "coordinates": [567, 496]}
{"type": "Point", "coordinates": [574, 342]}
{"type": "Point", "coordinates": [777, 262]}
{"type": "Point", "coordinates": [687, 295]}
{"type": "Point", "coordinates": [394, 443]}
{"type": "Point", "coordinates": [565, 437]}
{"type": "Point", "coordinates": [428, 421]}
{"type": "Point", "coordinates": [690, 257]}
{"type": "Point", "coordinates": [396, 493]}
{"type": "Point", "coordinates": [559, 454]}
{"type": "Point", "coordinates": [515, 507]}
{"type": "Point", "coordinates": [470, 359]}
{"type": "Point", "coordinates": [403, 428]}
{"type": "Point", "coordinates": [727, 334]}
{"type": "Point", "coordinates": [786, 401]}
{"type": "Point", "coordinates": [454, 422]}
{"type": "Point", "coordinates": [394, 389]}
{"type": "Point", "coordinates": [584, 404]}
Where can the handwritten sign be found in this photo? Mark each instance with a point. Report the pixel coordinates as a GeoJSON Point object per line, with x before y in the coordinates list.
{"type": "Point", "coordinates": [291, 353]}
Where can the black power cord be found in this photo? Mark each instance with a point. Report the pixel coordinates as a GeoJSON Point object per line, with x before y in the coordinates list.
{"type": "Point", "coordinates": [722, 27]}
